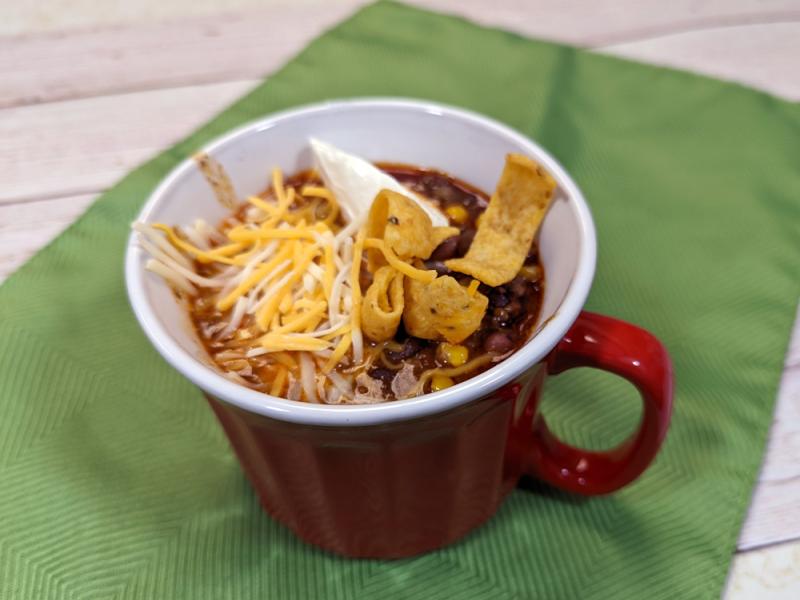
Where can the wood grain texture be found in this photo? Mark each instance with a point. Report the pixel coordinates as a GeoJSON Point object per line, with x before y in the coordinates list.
{"type": "Point", "coordinates": [59, 15]}
{"type": "Point", "coordinates": [48, 68]}
{"type": "Point", "coordinates": [766, 574]}
{"type": "Point", "coordinates": [757, 55]}
{"type": "Point", "coordinates": [604, 22]}
{"type": "Point", "coordinates": [84, 146]}
{"type": "Point", "coordinates": [25, 228]}
{"type": "Point", "coordinates": [774, 514]}
{"type": "Point", "coordinates": [597, 21]}
{"type": "Point", "coordinates": [190, 51]}
{"type": "Point", "coordinates": [84, 107]}
{"type": "Point", "coordinates": [47, 146]}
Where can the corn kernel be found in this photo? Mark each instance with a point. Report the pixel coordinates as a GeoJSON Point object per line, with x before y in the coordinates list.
{"type": "Point", "coordinates": [479, 219]}
{"type": "Point", "coordinates": [457, 213]}
{"type": "Point", "coordinates": [454, 354]}
{"type": "Point", "coordinates": [439, 382]}
{"type": "Point", "coordinates": [531, 272]}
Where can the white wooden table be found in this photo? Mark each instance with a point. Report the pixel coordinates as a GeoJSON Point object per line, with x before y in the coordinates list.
{"type": "Point", "coordinates": [88, 90]}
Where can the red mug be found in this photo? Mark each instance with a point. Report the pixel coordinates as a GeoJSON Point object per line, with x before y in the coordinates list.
{"type": "Point", "coordinates": [407, 487]}
{"type": "Point", "coordinates": [400, 478]}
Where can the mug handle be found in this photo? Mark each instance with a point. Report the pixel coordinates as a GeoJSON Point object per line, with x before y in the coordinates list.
{"type": "Point", "coordinates": [632, 353]}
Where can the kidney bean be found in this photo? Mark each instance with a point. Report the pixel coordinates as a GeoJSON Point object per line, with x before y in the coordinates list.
{"type": "Point", "coordinates": [498, 343]}
{"type": "Point", "coordinates": [446, 249]}
{"type": "Point", "coordinates": [410, 347]}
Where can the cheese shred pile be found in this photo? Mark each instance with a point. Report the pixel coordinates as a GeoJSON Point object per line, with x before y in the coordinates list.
{"type": "Point", "coordinates": [275, 289]}
{"type": "Point", "coordinates": [284, 284]}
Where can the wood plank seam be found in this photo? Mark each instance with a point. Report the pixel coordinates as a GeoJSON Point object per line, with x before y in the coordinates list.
{"type": "Point", "coordinates": [596, 42]}
{"type": "Point", "coordinates": [127, 90]}
{"type": "Point", "coordinates": [653, 33]}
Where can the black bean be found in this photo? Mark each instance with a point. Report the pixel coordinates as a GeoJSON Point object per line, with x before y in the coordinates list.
{"type": "Point", "coordinates": [465, 241]}
{"type": "Point", "coordinates": [514, 308]}
{"type": "Point", "coordinates": [498, 343]}
{"type": "Point", "coordinates": [446, 249]}
{"type": "Point", "coordinates": [394, 356]}
{"type": "Point", "coordinates": [461, 278]}
{"type": "Point", "coordinates": [500, 317]}
{"type": "Point", "coordinates": [429, 180]}
{"type": "Point", "coordinates": [383, 374]}
{"type": "Point", "coordinates": [410, 347]}
{"type": "Point", "coordinates": [437, 266]}
{"type": "Point", "coordinates": [468, 200]}
{"type": "Point", "coordinates": [498, 298]}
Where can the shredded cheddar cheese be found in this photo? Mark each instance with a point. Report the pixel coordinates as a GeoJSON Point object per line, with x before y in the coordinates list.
{"type": "Point", "coordinates": [298, 322]}
{"type": "Point", "coordinates": [265, 314]}
{"type": "Point", "coordinates": [274, 267]}
{"type": "Point", "coordinates": [285, 278]}
{"type": "Point", "coordinates": [285, 359]}
{"type": "Point", "coordinates": [227, 250]}
{"type": "Point", "coordinates": [277, 383]}
{"type": "Point", "coordinates": [320, 192]}
{"type": "Point", "coordinates": [264, 206]}
{"type": "Point", "coordinates": [249, 235]}
{"type": "Point", "coordinates": [338, 353]}
{"type": "Point", "coordinates": [278, 342]}
{"type": "Point", "coordinates": [200, 255]}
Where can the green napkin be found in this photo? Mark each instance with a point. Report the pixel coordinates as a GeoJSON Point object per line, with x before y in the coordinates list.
{"type": "Point", "coordinates": [116, 482]}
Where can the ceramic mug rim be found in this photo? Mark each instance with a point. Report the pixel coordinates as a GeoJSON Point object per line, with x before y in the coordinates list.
{"type": "Point", "coordinates": [474, 388]}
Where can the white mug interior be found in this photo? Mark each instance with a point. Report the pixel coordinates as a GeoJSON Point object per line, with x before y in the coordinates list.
{"type": "Point", "coordinates": [463, 144]}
